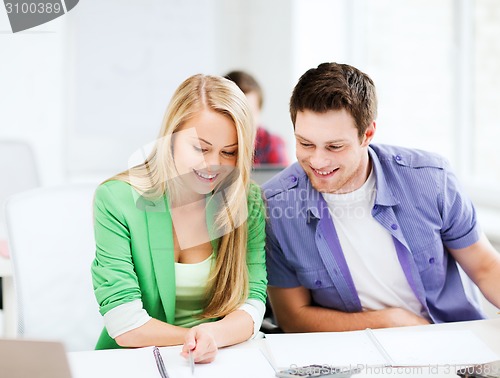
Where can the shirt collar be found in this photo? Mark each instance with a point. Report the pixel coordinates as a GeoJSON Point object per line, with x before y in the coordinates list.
{"type": "Point", "coordinates": [384, 195]}
{"type": "Point", "coordinates": [316, 204]}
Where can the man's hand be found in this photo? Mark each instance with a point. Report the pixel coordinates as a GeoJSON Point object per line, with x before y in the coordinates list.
{"type": "Point", "coordinates": [399, 317]}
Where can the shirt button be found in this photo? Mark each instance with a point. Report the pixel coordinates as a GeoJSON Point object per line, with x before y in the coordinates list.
{"type": "Point", "coordinates": [318, 283]}
{"type": "Point", "coordinates": [398, 157]}
{"type": "Point", "coordinates": [293, 179]}
{"type": "Point", "coordinates": [375, 207]}
{"type": "Point", "coordinates": [431, 260]}
{"type": "Point", "coordinates": [394, 226]}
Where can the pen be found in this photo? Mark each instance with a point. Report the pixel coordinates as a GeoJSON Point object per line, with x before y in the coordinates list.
{"type": "Point", "coordinates": [159, 363]}
{"type": "Point", "coordinates": [191, 361]}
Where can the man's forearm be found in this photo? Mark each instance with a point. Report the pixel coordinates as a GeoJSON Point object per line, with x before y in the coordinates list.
{"type": "Point", "coordinates": [319, 319]}
{"type": "Point", "coordinates": [489, 284]}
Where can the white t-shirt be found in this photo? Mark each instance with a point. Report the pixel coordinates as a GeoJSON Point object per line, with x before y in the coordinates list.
{"type": "Point", "coordinates": [370, 252]}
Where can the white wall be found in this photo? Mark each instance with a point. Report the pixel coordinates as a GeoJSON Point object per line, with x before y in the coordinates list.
{"type": "Point", "coordinates": [32, 93]}
{"type": "Point", "coordinates": [53, 89]}
{"type": "Point", "coordinates": [90, 87]}
{"type": "Point", "coordinates": [125, 60]}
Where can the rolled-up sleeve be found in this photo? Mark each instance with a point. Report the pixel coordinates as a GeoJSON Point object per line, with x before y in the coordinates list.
{"type": "Point", "coordinates": [460, 227]}
{"type": "Point", "coordinates": [113, 275]}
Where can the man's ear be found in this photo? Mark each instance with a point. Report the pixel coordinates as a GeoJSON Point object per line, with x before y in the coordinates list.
{"type": "Point", "coordinates": [369, 134]}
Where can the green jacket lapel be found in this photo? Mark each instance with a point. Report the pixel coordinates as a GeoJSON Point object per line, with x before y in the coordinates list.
{"type": "Point", "coordinates": [159, 223]}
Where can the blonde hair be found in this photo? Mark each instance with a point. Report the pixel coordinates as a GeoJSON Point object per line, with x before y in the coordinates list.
{"type": "Point", "coordinates": [228, 283]}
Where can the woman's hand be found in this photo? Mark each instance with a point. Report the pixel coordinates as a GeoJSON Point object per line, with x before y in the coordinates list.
{"type": "Point", "coordinates": [205, 339]}
{"type": "Point", "coordinates": [202, 344]}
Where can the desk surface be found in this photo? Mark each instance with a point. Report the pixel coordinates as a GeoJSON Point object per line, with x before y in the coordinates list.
{"type": "Point", "coordinates": [250, 357]}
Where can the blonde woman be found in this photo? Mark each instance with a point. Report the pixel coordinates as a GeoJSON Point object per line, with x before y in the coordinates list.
{"type": "Point", "coordinates": [180, 238]}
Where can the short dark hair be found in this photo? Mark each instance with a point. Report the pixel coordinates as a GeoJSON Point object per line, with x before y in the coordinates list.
{"type": "Point", "coordinates": [334, 86]}
{"type": "Point", "coordinates": [247, 83]}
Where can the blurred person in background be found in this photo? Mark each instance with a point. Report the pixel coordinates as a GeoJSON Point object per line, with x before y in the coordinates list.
{"type": "Point", "coordinates": [269, 148]}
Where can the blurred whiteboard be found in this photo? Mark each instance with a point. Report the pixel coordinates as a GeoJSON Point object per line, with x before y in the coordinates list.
{"type": "Point", "coordinates": [126, 57]}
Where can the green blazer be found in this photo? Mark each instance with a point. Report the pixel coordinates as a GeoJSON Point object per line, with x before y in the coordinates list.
{"type": "Point", "coordinates": [135, 252]}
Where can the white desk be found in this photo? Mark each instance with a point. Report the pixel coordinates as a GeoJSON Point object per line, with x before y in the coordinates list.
{"type": "Point", "coordinates": [126, 363]}
{"type": "Point", "coordinates": [9, 298]}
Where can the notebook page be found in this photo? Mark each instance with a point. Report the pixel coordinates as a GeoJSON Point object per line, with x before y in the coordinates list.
{"type": "Point", "coordinates": [424, 348]}
{"type": "Point", "coordinates": [229, 363]}
{"type": "Point", "coordinates": [324, 348]}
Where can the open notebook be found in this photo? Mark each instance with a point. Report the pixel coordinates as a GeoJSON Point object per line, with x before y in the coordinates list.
{"type": "Point", "coordinates": [379, 347]}
{"type": "Point", "coordinates": [20, 358]}
{"type": "Point", "coordinates": [133, 363]}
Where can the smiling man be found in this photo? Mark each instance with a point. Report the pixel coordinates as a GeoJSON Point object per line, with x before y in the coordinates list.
{"type": "Point", "coordinates": [365, 235]}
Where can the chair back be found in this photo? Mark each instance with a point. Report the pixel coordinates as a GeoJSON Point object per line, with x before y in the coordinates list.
{"type": "Point", "coordinates": [52, 246]}
{"type": "Point", "coordinates": [18, 172]}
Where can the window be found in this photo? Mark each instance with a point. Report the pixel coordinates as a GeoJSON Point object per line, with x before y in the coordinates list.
{"type": "Point", "coordinates": [436, 65]}
{"type": "Point", "coordinates": [486, 158]}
